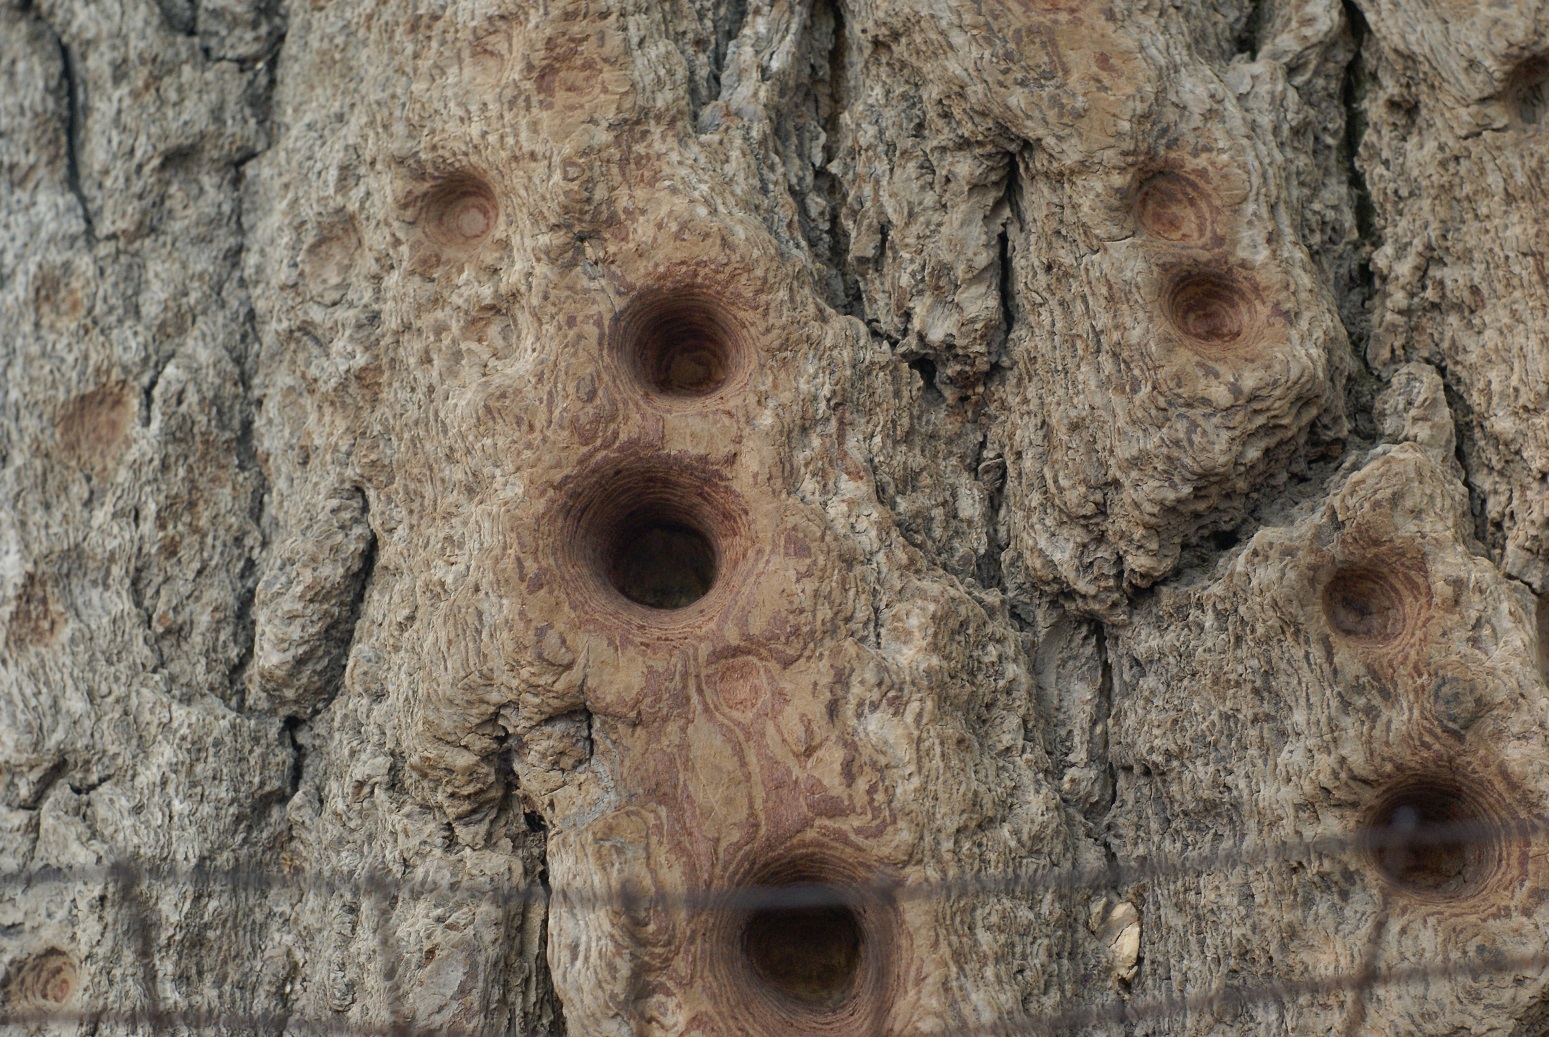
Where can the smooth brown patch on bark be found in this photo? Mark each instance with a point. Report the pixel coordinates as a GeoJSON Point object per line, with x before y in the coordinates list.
{"type": "Point", "coordinates": [92, 427]}
{"type": "Point", "coordinates": [34, 620]}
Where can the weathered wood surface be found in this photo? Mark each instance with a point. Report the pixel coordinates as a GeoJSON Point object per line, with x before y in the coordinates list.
{"type": "Point", "coordinates": [615, 449]}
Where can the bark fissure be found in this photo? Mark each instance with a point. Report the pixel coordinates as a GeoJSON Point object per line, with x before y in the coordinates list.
{"type": "Point", "coordinates": [1005, 267]}
{"type": "Point", "coordinates": [1101, 812]}
{"type": "Point", "coordinates": [1248, 37]}
{"type": "Point", "coordinates": [75, 115]}
{"type": "Point", "coordinates": [729, 19]}
{"type": "Point", "coordinates": [1353, 98]}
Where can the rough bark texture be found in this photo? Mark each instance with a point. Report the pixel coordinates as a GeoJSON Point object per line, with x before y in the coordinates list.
{"type": "Point", "coordinates": [1064, 482]}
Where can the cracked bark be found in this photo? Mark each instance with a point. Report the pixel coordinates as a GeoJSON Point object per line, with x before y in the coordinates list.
{"type": "Point", "coordinates": [1076, 438]}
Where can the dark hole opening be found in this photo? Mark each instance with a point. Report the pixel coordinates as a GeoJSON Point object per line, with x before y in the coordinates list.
{"type": "Point", "coordinates": [681, 344]}
{"type": "Point", "coordinates": [662, 564]}
{"type": "Point", "coordinates": [925, 367]}
{"type": "Point", "coordinates": [809, 954]}
{"type": "Point", "coordinates": [693, 366]}
{"type": "Point", "coordinates": [1429, 842]}
{"type": "Point", "coordinates": [1529, 91]}
{"type": "Point", "coordinates": [1225, 539]}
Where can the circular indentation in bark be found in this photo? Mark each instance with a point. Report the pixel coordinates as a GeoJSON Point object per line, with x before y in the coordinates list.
{"type": "Point", "coordinates": [459, 212]}
{"type": "Point", "coordinates": [1432, 836]}
{"type": "Point", "coordinates": [1217, 313]}
{"type": "Point", "coordinates": [680, 344]}
{"type": "Point", "coordinates": [808, 954]}
{"type": "Point", "coordinates": [1376, 604]}
{"type": "Point", "coordinates": [1175, 207]}
{"type": "Point", "coordinates": [45, 981]}
{"type": "Point", "coordinates": [809, 946]}
{"type": "Point", "coordinates": [654, 535]}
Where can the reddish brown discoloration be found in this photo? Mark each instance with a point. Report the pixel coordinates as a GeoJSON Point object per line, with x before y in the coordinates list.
{"type": "Point", "coordinates": [46, 981]}
{"type": "Point", "coordinates": [1218, 314]}
{"type": "Point", "coordinates": [1176, 207]}
{"type": "Point", "coordinates": [92, 428]}
{"type": "Point", "coordinates": [35, 620]}
{"type": "Point", "coordinates": [458, 213]}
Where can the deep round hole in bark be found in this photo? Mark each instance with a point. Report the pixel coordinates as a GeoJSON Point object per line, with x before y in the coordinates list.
{"type": "Point", "coordinates": [459, 212]}
{"type": "Point", "coordinates": [810, 954]}
{"type": "Point", "coordinates": [810, 942]}
{"type": "Point", "coordinates": [1367, 603]}
{"type": "Point", "coordinates": [1211, 309]}
{"type": "Point", "coordinates": [651, 535]}
{"type": "Point", "coordinates": [661, 559]}
{"type": "Point", "coordinates": [1431, 837]}
{"type": "Point", "coordinates": [680, 344]}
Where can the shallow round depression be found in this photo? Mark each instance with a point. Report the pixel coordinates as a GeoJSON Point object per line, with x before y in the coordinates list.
{"type": "Point", "coordinates": [1375, 603]}
{"type": "Point", "coordinates": [44, 982]}
{"type": "Point", "coordinates": [1218, 314]}
{"type": "Point", "coordinates": [1433, 836]}
{"type": "Point", "coordinates": [1175, 207]}
{"type": "Point", "coordinates": [459, 212]}
{"type": "Point", "coordinates": [680, 344]}
{"type": "Point", "coordinates": [656, 536]}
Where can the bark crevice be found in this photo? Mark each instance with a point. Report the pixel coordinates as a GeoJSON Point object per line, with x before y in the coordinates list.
{"type": "Point", "coordinates": [75, 116]}
{"type": "Point", "coordinates": [1352, 97]}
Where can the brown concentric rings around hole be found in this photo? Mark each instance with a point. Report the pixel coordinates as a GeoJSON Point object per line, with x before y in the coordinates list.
{"type": "Point", "coordinates": [680, 345]}
{"type": "Point", "coordinates": [1433, 836]}
{"type": "Point", "coordinates": [655, 537]}
{"type": "Point", "coordinates": [1376, 603]}
{"type": "Point", "coordinates": [1218, 314]}
{"type": "Point", "coordinates": [459, 212]}
{"type": "Point", "coordinates": [810, 946]}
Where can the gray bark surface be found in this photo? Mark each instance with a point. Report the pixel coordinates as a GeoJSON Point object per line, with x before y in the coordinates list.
{"type": "Point", "coordinates": [480, 481]}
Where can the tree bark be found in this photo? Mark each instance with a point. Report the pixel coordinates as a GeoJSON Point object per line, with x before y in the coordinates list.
{"type": "Point", "coordinates": [706, 517]}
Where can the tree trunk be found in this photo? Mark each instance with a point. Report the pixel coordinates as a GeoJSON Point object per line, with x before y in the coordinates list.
{"type": "Point", "coordinates": [756, 517]}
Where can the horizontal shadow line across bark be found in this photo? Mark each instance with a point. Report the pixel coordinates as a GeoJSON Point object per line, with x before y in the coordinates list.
{"type": "Point", "coordinates": [805, 895]}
